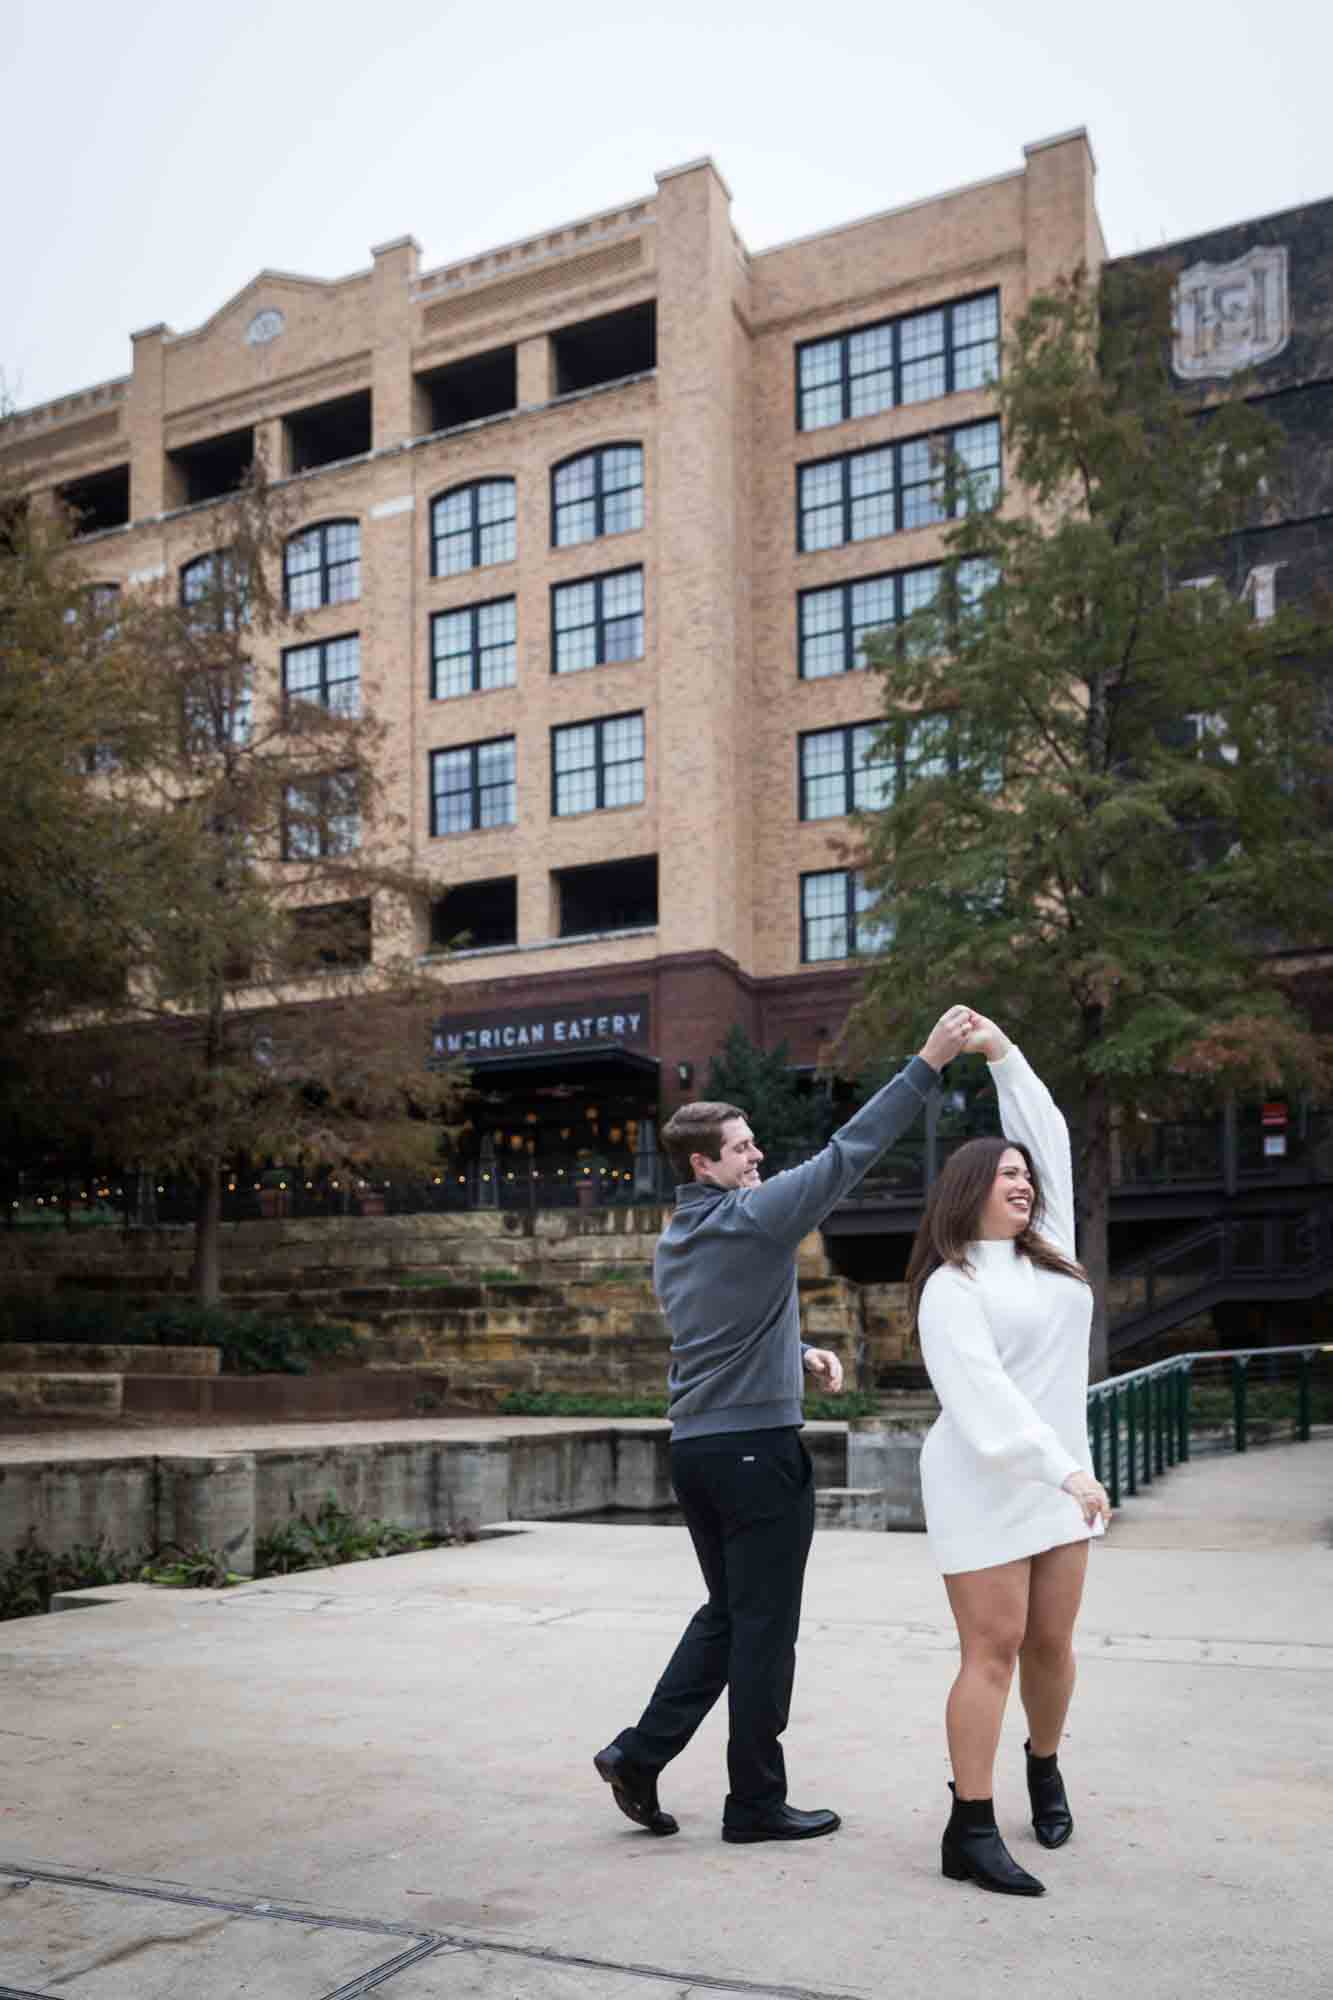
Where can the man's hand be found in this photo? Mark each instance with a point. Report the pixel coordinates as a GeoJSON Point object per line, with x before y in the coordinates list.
{"type": "Point", "coordinates": [825, 1367]}
{"type": "Point", "coordinates": [948, 1036]}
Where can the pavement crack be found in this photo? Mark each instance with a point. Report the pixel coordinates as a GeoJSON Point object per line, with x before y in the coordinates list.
{"type": "Point", "coordinates": [118, 1954]}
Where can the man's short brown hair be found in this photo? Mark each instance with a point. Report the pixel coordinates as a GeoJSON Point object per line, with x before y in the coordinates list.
{"type": "Point", "coordinates": [696, 1128]}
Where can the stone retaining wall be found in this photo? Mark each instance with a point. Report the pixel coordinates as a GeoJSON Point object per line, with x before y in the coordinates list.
{"type": "Point", "coordinates": [223, 1500]}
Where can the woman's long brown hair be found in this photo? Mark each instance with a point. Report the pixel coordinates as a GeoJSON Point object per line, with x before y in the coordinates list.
{"type": "Point", "coordinates": [953, 1217]}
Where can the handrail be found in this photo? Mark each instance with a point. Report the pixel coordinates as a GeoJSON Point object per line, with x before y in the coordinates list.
{"type": "Point", "coordinates": [1139, 1424]}
{"type": "Point", "coordinates": [1293, 1246]}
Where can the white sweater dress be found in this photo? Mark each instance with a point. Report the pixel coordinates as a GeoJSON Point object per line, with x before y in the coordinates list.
{"type": "Point", "coordinates": [1007, 1352]}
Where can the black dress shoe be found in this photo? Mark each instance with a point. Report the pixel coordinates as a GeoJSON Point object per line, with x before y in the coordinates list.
{"type": "Point", "coordinates": [634, 1791]}
{"type": "Point", "coordinates": [972, 1851]}
{"type": "Point", "coordinates": [1052, 1821]}
{"type": "Point", "coordinates": [783, 1823]}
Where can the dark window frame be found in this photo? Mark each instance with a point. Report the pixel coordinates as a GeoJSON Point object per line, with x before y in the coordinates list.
{"type": "Point", "coordinates": [850, 768]}
{"type": "Point", "coordinates": [321, 646]}
{"type": "Point", "coordinates": [599, 767]}
{"type": "Point", "coordinates": [851, 887]}
{"type": "Point", "coordinates": [599, 621]}
{"type": "Point", "coordinates": [473, 487]}
{"type": "Point", "coordinates": [325, 568]}
{"type": "Point", "coordinates": [598, 454]}
{"type": "Point", "coordinates": [947, 570]}
{"type": "Point", "coordinates": [474, 789]}
{"type": "Point", "coordinates": [894, 326]}
{"type": "Point", "coordinates": [324, 851]}
{"type": "Point", "coordinates": [896, 447]}
{"type": "Point", "coordinates": [472, 612]}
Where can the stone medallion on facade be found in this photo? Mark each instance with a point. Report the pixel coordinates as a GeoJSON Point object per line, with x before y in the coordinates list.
{"type": "Point", "coordinates": [265, 326]}
{"type": "Point", "coordinates": [1231, 316]}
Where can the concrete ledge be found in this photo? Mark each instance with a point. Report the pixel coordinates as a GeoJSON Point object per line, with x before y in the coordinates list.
{"type": "Point", "coordinates": [363, 1392]}
{"type": "Point", "coordinates": [225, 1500]}
{"type": "Point", "coordinates": [865, 1507]}
{"type": "Point", "coordinates": [97, 1357]}
{"type": "Point", "coordinates": [50, 1394]}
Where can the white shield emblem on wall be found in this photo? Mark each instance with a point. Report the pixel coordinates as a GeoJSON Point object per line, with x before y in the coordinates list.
{"type": "Point", "coordinates": [1231, 316]}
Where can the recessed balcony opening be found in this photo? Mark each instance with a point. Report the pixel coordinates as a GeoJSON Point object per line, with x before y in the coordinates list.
{"type": "Point", "coordinates": [100, 501]}
{"type": "Point", "coordinates": [13, 524]}
{"type": "Point", "coordinates": [608, 896]}
{"type": "Point", "coordinates": [213, 469]}
{"type": "Point", "coordinates": [485, 385]}
{"type": "Point", "coordinates": [329, 935]}
{"type": "Point", "coordinates": [476, 916]}
{"type": "Point", "coordinates": [606, 349]}
{"type": "Point", "coordinates": [328, 432]}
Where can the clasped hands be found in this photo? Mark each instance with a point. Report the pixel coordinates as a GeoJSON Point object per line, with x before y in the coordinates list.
{"type": "Point", "coordinates": [962, 1030]}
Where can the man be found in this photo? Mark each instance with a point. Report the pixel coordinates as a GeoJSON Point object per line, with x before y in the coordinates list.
{"type": "Point", "coordinates": [725, 1276]}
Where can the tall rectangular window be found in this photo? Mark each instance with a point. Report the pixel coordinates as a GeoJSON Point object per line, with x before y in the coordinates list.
{"type": "Point", "coordinates": [597, 622]}
{"type": "Point", "coordinates": [599, 493]}
{"type": "Point", "coordinates": [899, 486]}
{"type": "Point", "coordinates": [905, 360]}
{"type": "Point", "coordinates": [835, 624]}
{"type": "Point", "coordinates": [322, 565]}
{"type": "Point", "coordinates": [327, 674]}
{"type": "Point", "coordinates": [835, 916]}
{"type": "Point", "coordinates": [844, 770]}
{"type": "Point", "coordinates": [321, 817]}
{"type": "Point", "coordinates": [474, 786]}
{"type": "Point", "coordinates": [597, 764]}
{"type": "Point", "coordinates": [473, 527]}
{"type": "Point", "coordinates": [474, 649]}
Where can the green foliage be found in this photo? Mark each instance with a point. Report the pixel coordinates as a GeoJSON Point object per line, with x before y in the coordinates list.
{"type": "Point", "coordinates": [191, 1569]}
{"type": "Point", "coordinates": [138, 895]}
{"type": "Point", "coordinates": [787, 1121]}
{"type": "Point", "coordinates": [1109, 792]}
{"type": "Point", "coordinates": [1265, 1403]}
{"type": "Point", "coordinates": [1157, 829]}
{"type": "Point", "coordinates": [550, 1403]}
{"type": "Point", "coordinates": [251, 1343]}
{"type": "Point", "coordinates": [334, 1536]}
{"type": "Point", "coordinates": [32, 1575]}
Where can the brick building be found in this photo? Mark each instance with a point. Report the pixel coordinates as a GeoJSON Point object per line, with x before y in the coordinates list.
{"type": "Point", "coordinates": [596, 521]}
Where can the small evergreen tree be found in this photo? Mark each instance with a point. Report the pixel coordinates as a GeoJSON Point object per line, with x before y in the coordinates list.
{"type": "Point", "coordinates": [787, 1121]}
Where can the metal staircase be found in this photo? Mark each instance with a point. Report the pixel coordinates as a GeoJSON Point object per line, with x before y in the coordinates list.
{"type": "Point", "coordinates": [1279, 1254]}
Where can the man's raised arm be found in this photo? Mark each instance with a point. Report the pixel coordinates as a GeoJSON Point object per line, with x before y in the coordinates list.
{"type": "Point", "coordinates": [792, 1204]}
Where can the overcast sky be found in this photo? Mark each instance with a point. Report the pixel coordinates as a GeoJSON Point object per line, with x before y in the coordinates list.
{"type": "Point", "coordinates": [157, 155]}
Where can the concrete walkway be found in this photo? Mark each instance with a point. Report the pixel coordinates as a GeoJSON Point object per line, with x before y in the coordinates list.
{"type": "Point", "coordinates": [378, 1778]}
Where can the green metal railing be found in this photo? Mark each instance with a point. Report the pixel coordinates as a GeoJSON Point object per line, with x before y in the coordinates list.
{"type": "Point", "coordinates": [1142, 1424]}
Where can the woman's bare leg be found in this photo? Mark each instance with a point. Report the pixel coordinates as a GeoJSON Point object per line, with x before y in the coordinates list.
{"type": "Point", "coordinates": [990, 1608]}
{"type": "Point", "coordinates": [1046, 1669]}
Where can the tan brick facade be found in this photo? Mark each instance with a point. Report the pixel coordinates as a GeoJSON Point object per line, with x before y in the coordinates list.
{"type": "Point", "coordinates": [717, 684]}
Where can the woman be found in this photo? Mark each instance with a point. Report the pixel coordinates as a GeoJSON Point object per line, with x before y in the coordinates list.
{"type": "Point", "coordinates": [1003, 1309]}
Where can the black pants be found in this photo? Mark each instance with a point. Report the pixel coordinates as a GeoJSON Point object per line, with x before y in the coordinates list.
{"type": "Point", "coordinates": [748, 1498]}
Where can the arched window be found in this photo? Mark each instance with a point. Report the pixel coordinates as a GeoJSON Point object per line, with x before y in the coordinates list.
{"type": "Point", "coordinates": [598, 493]}
{"type": "Point", "coordinates": [213, 583]}
{"type": "Point", "coordinates": [322, 565]}
{"type": "Point", "coordinates": [473, 527]}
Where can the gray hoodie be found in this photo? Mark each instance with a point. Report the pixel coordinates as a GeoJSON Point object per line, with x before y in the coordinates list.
{"type": "Point", "coordinates": [725, 1273]}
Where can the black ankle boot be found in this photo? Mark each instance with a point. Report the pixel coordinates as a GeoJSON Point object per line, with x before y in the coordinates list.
{"type": "Point", "coordinates": [1052, 1821]}
{"type": "Point", "coordinates": [972, 1851]}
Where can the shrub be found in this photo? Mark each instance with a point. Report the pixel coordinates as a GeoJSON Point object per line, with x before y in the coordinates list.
{"type": "Point", "coordinates": [550, 1403]}
{"type": "Point", "coordinates": [335, 1536]}
{"type": "Point", "coordinates": [33, 1575]}
{"type": "Point", "coordinates": [251, 1343]}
